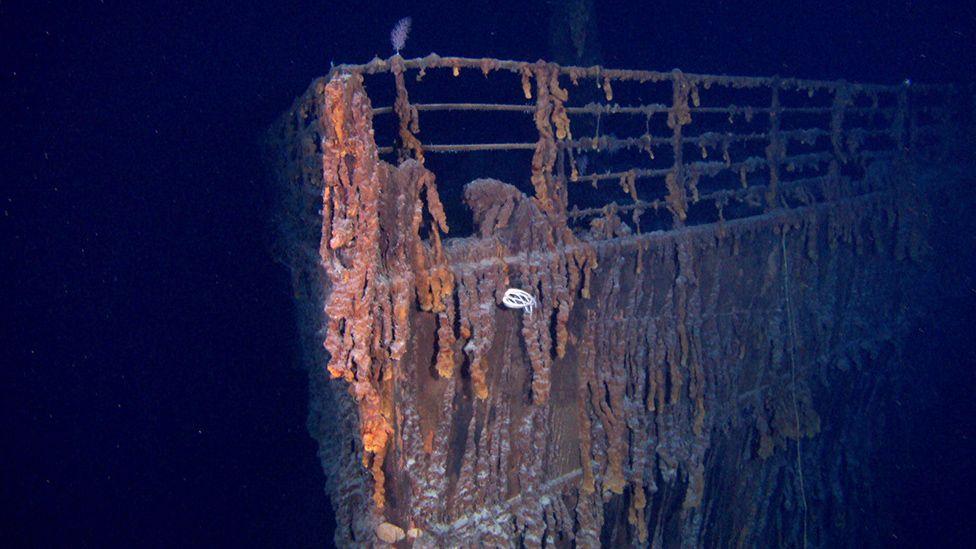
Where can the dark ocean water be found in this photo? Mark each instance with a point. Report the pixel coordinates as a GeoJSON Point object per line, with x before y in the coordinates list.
{"type": "Point", "coordinates": [151, 394]}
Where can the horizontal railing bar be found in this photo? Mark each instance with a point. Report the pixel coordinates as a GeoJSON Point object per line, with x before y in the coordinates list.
{"type": "Point", "coordinates": [653, 108]}
{"type": "Point", "coordinates": [705, 168]}
{"type": "Point", "coordinates": [737, 194]}
{"type": "Point", "coordinates": [433, 61]}
{"type": "Point", "coordinates": [469, 147]}
{"type": "Point", "coordinates": [659, 203]}
{"type": "Point", "coordinates": [482, 107]}
{"type": "Point", "coordinates": [607, 142]}
{"type": "Point", "coordinates": [639, 173]}
{"type": "Point", "coordinates": [708, 138]}
{"type": "Point", "coordinates": [576, 213]}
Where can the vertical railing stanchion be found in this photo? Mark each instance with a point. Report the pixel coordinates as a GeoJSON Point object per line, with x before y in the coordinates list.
{"type": "Point", "coordinates": [678, 116]}
{"type": "Point", "coordinates": [407, 115]}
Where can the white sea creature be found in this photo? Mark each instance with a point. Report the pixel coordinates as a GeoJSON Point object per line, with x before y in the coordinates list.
{"type": "Point", "coordinates": [398, 36]}
{"type": "Point", "coordinates": [519, 299]}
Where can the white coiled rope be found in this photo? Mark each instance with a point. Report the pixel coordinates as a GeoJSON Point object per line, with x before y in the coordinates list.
{"type": "Point", "coordinates": [519, 299]}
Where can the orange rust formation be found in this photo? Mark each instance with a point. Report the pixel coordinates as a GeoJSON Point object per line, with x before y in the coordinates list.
{"type": "Point", "coordinates": [667, 385]}
{"type": "Point", "coordinates": [553, 124]}
{"type": "Point", "coordinates": [368, 311]}
{"type": "Point", "coordinates": [407, 115]}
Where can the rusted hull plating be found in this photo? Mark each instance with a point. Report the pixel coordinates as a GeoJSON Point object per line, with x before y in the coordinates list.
{"type": "Point", "coordinates": [660, 392]}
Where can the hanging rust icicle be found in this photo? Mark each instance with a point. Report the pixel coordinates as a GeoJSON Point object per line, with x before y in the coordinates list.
{"type": "Point", "coordinates": [407, 115]}
{"type": "Point", "coordinates": [368, 320]}
{"type": "Point", "coordinates": [678, 117]}
{"type": "Point", "coordinates": [350, 250]}
{"type": "Point", "coordinates": [552, 123]}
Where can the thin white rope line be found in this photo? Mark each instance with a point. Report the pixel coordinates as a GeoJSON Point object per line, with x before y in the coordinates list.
{"type": "Point", "coordinates": [796, 408]}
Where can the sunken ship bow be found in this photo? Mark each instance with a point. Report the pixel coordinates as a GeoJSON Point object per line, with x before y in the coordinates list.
{"type": "Point", "coordinates": [721, 272]}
